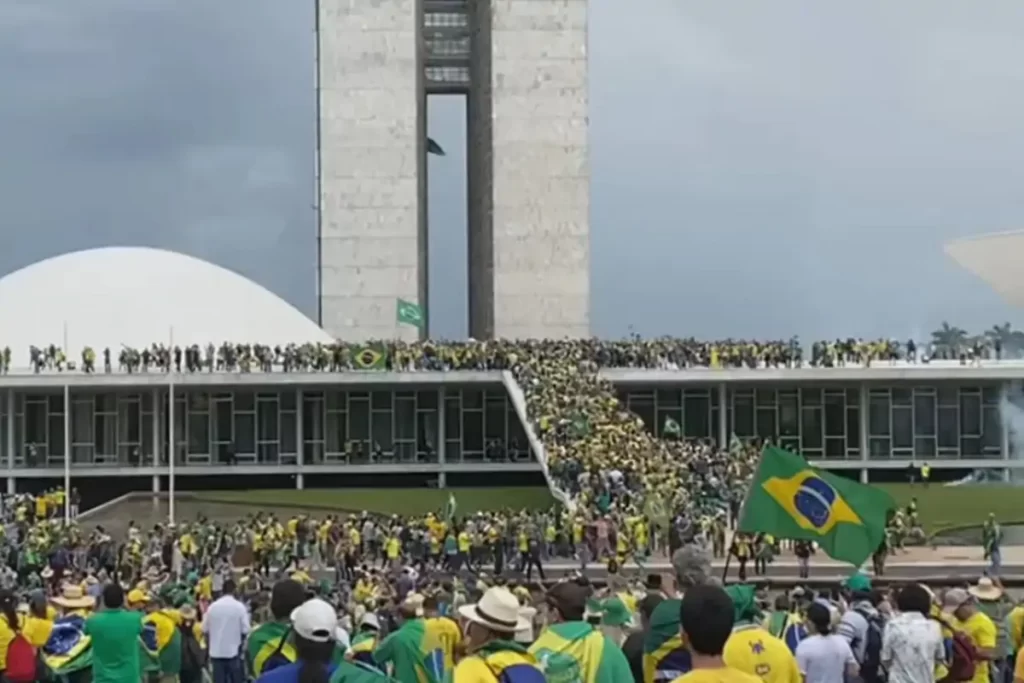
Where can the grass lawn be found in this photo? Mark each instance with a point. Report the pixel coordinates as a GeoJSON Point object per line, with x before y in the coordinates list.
{"type": "Point", "coordinates": [940, 506]}
{"type": "Point", "coordinates": [390, 501]}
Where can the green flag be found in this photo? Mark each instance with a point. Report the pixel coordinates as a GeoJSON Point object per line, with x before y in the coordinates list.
{"type": "Point", "coordinates": [579, 428]}
{"type": "Point", "coordinates": [409, 313]}
{"type": "Point", "coordinates": [735, 446]}
{"type": "Point", "coordinates": [671, 428]}
{"type": "Point", "coordinates": [790, 499]}
{"type": "Point", "coordinates": [450, 508]}
{"type": "Point", "coordinates": [371, 357]}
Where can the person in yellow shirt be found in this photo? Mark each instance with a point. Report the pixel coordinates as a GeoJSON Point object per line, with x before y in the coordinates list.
{"type": "Point", "coordinates": [752, 649]}
{"type": "Point", "coordinates": [966, 617]}
{"type": "Point", "coordinates": [706, 620]}
{"type": "Point", "coordinates": [37, 624]}
{"type": "Point", "coordinates": [490, 649]}
{"type": "Point", "coordinates": [8, 624]}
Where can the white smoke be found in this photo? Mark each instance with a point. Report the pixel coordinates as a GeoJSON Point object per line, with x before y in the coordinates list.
{"type": "Point", "coordinates": [1011, 412]}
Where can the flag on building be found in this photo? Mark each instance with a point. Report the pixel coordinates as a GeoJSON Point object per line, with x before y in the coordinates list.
{"type": "Point", "coordinates": [409, 313]}
{"type": "Point", "coordinates": [671, 428]}
{"type": "Point", "coordinates": [371, 357]}
{"type": "Point", "coordinates": [790, 499]}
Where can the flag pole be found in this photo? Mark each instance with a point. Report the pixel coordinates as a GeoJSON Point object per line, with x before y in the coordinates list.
{"type": "Point", "coordinates": [171, 435]}
{"type": "Point", "coordinates": [67, 452]}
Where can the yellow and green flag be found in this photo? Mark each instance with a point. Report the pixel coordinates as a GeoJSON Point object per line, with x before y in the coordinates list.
{"type": "Point", "coordinates": [790, 499]}
{"type": "Point", "coordinates": [371, 357]}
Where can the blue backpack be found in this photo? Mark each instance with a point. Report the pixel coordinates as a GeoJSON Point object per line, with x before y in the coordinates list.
{"type": "Point", "coordinates": [517, 673]}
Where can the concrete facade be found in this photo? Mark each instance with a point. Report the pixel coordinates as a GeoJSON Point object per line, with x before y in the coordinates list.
{"type": "Point", "coordinates": [371, 163]}
{"type": "Point", "coordinates": [529, 196]}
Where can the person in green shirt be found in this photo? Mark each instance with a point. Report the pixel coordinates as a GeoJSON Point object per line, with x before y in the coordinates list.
{"type": "Point", "coordinates": [115, 634]}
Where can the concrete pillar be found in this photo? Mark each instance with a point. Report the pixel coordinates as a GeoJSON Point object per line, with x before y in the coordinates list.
{"type": "Point", "coordinates": [156, 483]}
{"type": "Point", "coordinates": [442, 480]}
{"type": "Point", "coordinates": [864, 476]}
{"type": "Point", "coordinates": [300, 481]}
{"type": "Point", "coordinates": [865, 451]}
{"type": "Point", "coordinates": [12, 406]}
{"type": "Point", "coordinates": [442, 438]}
{"type": "Point", "coordinates": [723, 415]}
{"type": "Point", "coordinates": [157, 422]}
{"type": "Point", "coordinates": [12, 486]}
{"type": "Point", "coordinates": [299, 455]}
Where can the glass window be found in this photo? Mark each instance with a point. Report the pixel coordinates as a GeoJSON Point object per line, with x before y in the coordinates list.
{"type": "Point", "coordinates": [765, 397]}
{"type": "Point", "coordinates": [81, 423]}
{"type": "Point", "coordinates": [970, 415]}
{"type": "Point", "coordinates": [56, 435]}
{"type": "Point", "coordinates": [452, 419]}
{"type": "Point", "coordinates": [766, 426]}
{"type": "Point", "coordinates": [880, 448]}
{"type": "Point", "coordinates": [853, 397]}
{"type": "Point", "coordinates": [405, 419]}
{"type": "Point", "coordinates": [810, 428]}
{"type": "Point", "coordinates": [245, 402]}
{"type": "Point", "coordinates": [381, 400]}
{"type": "Point", "coordinates": [312, 419]}
{"type": "Point", "coordinates": [106, 434]}
{"type": "Point", "coordinates": [670, 398]}
{"type": "Point", "coordinates": [835, 448]}
{"type": "Point", "coordinates": [472, 431]}
{"type": "Point", "coordinates": [902, 427]}
{"type": "Point", "coordinates": [199, 433]}
{"type": "Point", "coordinates": [811, 396]}
{"type": "Point", "coordinates": [992, 438]}
{"type": "Point", "coordinates": [35, 422]}
{"type": "Point", "coordinates": [789, 414]}
{"type": "Point", "coordinates": [335, 400]}
{"type": "Point", "coordinates": [222, 426]}
{"type": "Point", "coordinates": [924, 414]}
{"type": "Point", "coordinates": [643, 407]}
{"type": "Point", "coordinates": [129, 421]}
{"type": "Point", "coordinates": [743, 417]}
{"type": "Point", "coordinates": [358, 419]}
{"type": "Point", "coordinates": [852, 428]}
{"type": "Point", "coordinates": [697, 417]}
{"type": "Point", "coordinates": [426, 443]}
{"type": "Point", "coordinates": [426, 399]}
{"type": "Point", "coordinates": [148, 429]}
{"type": "Point", "coordinates": [287, 399]}
{"type": "Point", "coordinates": [835, 416]}
{"type": "Point", "coordinates": [970, 447]}
{"type": "Point", "coordinates": [990, 394]}
{"type": "Point", "coordinates": [949, 432]}
{"type": "Point", "coordinates": [472, 398]}
{"type": "Point", "coordinates": [924, 446]}
{"type": "Point", "coordinates": [289, 426]}
{"type": "Point", "coordinates": [383, 430]}
{"type": "Point", "coordinates": [947, 395]}
{"type": "Point", "coordinates": [335, 433]}
{"type": "Point", "coordinates": [266, 419]}
{"type": "Point", "coordinates": [878, 416]}
{"type": "Point", "coordinates": [245, 434]}
{"type": "Point", "coordinates": [494, 419]}
{"type": "Point", "coordinates": [902, 396]}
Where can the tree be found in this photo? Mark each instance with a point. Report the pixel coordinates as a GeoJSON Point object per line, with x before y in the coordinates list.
{"type": "Point", "coordinates": [1009, 338]}
{"type": "Point", "coordinates": [949, 337]}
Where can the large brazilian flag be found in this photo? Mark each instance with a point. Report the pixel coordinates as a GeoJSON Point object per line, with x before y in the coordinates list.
{"type": "Point", "coordinates": [69, 649]}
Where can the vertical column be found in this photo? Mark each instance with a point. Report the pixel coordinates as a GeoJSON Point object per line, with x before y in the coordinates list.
{"type": "Point", "coordinates": [157, 438]}
{"type": "Point", "coordinates": [1005, 444]}
{"type": "Point", "coordinates": [371, 157]}
{"type": "Point", "coordinates": [300, 480]}
{"type": "Point", "coordinates": [529, 170]}
{"type": "Point", "coordinates": [156, 484]}
{"type": "Point", "coordinates": [723, 415]}
{"type": "Point", "coordinates": [865, 450]}
{"type": "Point", "coordinates": [12, 409]}
{"type": "Point", "coordinates": [442, 438]}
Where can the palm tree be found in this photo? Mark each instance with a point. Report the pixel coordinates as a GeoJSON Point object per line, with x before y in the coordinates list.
{"type": "Point", "coordinates": [1009, 338]}
{"type": "Point", "coordinates": [949, 338]}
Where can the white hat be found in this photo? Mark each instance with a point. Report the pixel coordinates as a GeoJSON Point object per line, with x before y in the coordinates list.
{"type": "Point", "coordinates": [315, 620]}
{"type": "Point", "coordinates": [986, 589]}
{"type": "Point", "coordinates": [370, 619]}
{"type": "Point", "coordinates": [526, 635]}
{"type": "Point", "coordinates": [498, 610]}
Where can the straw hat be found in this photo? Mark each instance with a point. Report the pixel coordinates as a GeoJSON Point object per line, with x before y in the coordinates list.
{"type": "Point", "coordinates": [72, 597]}
{"type": "Point", "coordinates": [47, 572]}
{"type": "Point", "coordinates": [497, 610]}
{"type": "Point", "coordinates": [188, 612]}
{"type": "Point", "coordinates": [985, 589]}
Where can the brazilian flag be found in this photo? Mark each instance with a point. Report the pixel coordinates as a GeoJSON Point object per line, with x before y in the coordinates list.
{"type": "Point", "coordinates": [371, 357]}
{"type": "Point", "coordinates": [790, 499]}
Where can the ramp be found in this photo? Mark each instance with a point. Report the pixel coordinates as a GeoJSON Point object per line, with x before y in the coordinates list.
{"type": "Point", "coordinates": [515, 392]}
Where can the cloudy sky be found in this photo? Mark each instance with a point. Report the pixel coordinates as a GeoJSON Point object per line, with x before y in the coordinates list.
{"type": "Point", "coordinates": [759, 168]}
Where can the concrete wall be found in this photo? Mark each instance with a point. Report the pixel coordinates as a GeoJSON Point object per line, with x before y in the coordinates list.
{"type": "Point", "coordinates": [370, 166]}
{"type": "Point", "coordinates": [529, 217]}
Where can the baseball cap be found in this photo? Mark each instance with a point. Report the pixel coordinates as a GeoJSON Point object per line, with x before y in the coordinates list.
{"type": "Point", "coordinates": [954, 599]}
{"type": "Point", "coordinates": [569, 598]}
{"type": "Point", "coordinates": [315, 620]}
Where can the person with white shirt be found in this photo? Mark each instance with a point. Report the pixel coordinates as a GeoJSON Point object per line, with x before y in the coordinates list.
{"type": "Point", "coordinates": [823, 656]}
{"type": "Point", "coordinates": [912, 643]}
{"type": "Point", "coordinates": [226, 625]}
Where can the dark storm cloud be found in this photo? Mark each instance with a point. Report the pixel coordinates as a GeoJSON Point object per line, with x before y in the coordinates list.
{"type": "Point", "coordinates": [759, 168]}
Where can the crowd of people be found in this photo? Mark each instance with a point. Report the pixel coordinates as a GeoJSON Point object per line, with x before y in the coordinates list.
{"type": "Point", "coordinates": [365, 599]}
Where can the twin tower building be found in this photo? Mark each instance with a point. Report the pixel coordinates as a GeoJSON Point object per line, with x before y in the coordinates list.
{"type": "Point", "coordinates": [522, 66]}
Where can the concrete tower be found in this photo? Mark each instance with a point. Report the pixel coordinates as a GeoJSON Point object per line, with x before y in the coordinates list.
{"type": "Point", "coordinates": [522, 65]}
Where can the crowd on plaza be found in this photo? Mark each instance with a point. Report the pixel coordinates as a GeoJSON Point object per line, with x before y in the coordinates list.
{"type": "Point", "coordinates": [365, 599]}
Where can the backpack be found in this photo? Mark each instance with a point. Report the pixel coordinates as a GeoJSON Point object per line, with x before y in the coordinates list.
{"type": "Point", "coordinates": [962, 659]}
{"type": "Point", "coordinates": [21, 660]}
{"type": "Point", "coordinates": [871, 669]}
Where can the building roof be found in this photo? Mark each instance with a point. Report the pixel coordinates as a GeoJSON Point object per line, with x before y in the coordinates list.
{"type": "Point", "coordinates": [996, 259]}
{"type": "Point", "coordinates": [136, 296]}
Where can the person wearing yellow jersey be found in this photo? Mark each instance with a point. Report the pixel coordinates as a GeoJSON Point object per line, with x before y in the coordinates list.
{"type": "Point", "coordinates": [706, 620]}
{"type": "Point", "coordinates": [752, 649]}
{"type": "Point", "coordinates": [204, 588]}
{"type": "Point", "coordinates": [491, 650]}
{"type": "Point", "coordinates": [393, 549]}
{"type": "Point", "coordinates": [442, 630]}
{"type": "Point", "coordinates": [966, 617]}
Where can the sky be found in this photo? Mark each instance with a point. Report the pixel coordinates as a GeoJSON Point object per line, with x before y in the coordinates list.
{"type": "Point", "coordinates": [758, 169]}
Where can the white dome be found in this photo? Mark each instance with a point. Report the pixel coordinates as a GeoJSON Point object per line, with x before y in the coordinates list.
{"type": "Point", "coordinates": [135, 296]}
{"type": "Point", "coordinates": [995, 258]}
